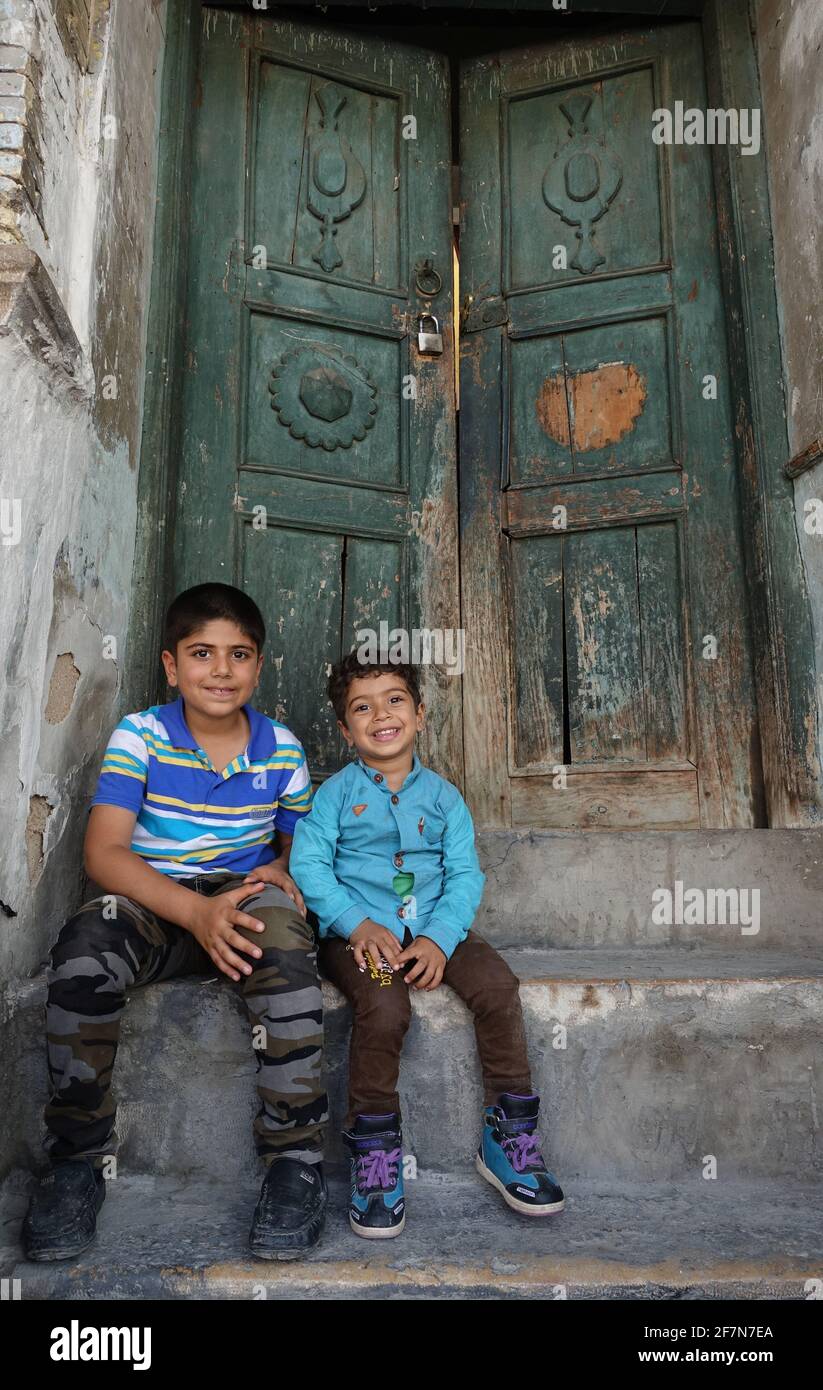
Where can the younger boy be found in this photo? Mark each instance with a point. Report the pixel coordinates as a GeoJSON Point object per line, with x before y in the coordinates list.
{"type": "Point", "coordinates": [179, 839]}
{"type": "Point", "coordinates": [387, 861]}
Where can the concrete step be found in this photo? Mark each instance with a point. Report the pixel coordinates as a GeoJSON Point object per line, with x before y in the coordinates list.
{"type": "Point", "coordinates": [167, 1238]}
{"type": "Point", "coordinates": [573, 888]}
{"type": "Point", "coordinates": [648, 1060]}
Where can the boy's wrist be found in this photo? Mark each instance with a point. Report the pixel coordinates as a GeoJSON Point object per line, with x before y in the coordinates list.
{"type": "Point", "coordinates": [182, 904]}
{"type": "Point", "coordinates": [348, 922]}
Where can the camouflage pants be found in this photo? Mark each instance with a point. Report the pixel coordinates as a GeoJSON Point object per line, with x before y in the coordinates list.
{"type": "Point", "coordinates": [103, 951]}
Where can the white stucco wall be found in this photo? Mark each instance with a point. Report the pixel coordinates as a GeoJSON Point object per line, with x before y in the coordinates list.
{"type": "Point", "coordinates": [69, 448]}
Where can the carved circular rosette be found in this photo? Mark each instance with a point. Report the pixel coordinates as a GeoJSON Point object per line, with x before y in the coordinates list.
{"type": "Point", "coordinates": [323, 397]}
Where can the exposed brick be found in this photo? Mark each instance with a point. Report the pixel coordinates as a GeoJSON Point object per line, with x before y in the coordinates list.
{"type": "Point", "coordinates": [13, 109]}
{"type": "Point", "coordinates": [15, 84]}
{"type": "Point", "coordinates": [14, 58]}
{"type": "Point", "coordinates": [11, 165]}
{"type": "Point", "coordinates": [12, 136]}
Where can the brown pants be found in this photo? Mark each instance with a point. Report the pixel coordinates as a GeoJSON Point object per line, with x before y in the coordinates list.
{"type": "Point", "coordinates": [477, 974]}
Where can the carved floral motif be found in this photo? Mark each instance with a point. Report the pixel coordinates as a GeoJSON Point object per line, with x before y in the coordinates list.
{"type": "Point", "coordinates": [323, 397]}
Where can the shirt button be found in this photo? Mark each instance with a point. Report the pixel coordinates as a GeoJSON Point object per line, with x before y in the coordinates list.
{"type": "Point", "coordinates": [395, 800]}
{"type": "Point", "coordinates": [401, 913]}
{"type": "Point", "coordinates": [398, 861]}
{"type": "Point", "coordinates": [378, 777]}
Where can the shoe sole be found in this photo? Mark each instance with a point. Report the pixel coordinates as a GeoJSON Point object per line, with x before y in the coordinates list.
{"type": "Point", "coordinates": [282, 1254]}
{"type": "Point", "coordinates": [271, 1252]}
{"type": "Point", "coordinates": [378, 1232]}
{"type": "Point", "coordinates": [45, 1256]}
{"type": "Point", "coordinates": [286, 1252]}
{"type": "Point", "coordinates": [524, 1208]}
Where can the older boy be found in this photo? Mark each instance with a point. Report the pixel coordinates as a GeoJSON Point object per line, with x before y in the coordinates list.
{"type": "Point", "coordinates": [179, 839]}
{"type": "Point", "coordinates": [387, 861]}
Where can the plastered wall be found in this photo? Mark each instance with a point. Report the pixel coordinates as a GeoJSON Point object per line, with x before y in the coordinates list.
{"type": "Point", "coordinates": [78, 141]}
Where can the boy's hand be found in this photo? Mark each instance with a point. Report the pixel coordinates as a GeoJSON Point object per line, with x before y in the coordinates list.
{"type": "Point", "coordinates": [431, 962]}
{"type": "Point", "coordinates": [214, 924]}
{"type": "Point", "coordinates": [275, 873]}
{"type": "Point", "coordinates": [377, 940]}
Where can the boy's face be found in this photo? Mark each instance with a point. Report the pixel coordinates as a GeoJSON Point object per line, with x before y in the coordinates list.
{"type": "Point", "coordinates": [381, 720]}
{"type": "Point", "coordinates": [216, 668]}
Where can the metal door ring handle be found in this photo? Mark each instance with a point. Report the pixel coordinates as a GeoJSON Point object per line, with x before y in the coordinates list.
{"type": "Point", "coordinates": [425, 271]}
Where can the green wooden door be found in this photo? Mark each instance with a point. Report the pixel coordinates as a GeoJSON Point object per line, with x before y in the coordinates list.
{"type": "Point", "coordinates": [602, 579]}
{"type": "Point", "coordinates": [317, 464]}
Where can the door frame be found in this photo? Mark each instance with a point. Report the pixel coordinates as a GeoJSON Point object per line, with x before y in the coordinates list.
{"type": "Point", "coordinates": [782, 638]}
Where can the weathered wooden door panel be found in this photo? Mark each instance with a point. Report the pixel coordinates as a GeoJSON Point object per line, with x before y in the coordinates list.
{"type": "Point", "coordinates": [603, 585]}
{"type": "Point", "coordinates": [308, 474]}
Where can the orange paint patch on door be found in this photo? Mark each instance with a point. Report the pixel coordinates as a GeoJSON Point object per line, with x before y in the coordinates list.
{"type": "Point", "coordinates": [552, 409]}
{"type": "Point", "coordinates": [592, 409]}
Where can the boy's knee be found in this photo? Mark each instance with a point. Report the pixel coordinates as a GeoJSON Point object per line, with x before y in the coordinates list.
{"type": "Point", "coordinates": [385, 1008]}
{"type": "Point", "coordinates": [284, 928]}
{"type": "Point", "coordinates": [499, 988]}
{"type": "Point", "coordinates": [102, 932]}
{"type": "Point", "coordinates": [269, 896]}
{"type": "Point", "coordinates": [289, 959]}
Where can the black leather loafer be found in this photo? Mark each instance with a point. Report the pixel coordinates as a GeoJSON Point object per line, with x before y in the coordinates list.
{"type": "Point", "coordinates": [61, 1220]}
{"type": "Point", "coordinates": [291, 1212]}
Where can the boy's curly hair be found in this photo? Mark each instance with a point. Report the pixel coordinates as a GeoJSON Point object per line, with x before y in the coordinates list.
{"type": "Point", "coordinates": [351, 668]}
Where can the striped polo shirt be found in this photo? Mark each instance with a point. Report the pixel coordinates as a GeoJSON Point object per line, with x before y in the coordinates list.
{"type": "Point", "coordinates": [192, 819]}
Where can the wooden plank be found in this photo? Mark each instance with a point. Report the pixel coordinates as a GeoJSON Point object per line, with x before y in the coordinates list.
{"type": "Point", "coordinates": [599, 502]}
{"type": "Point", "coordinates": [608, 801]}
{"type": "Point", "coordinates": [315, 505]}
{"type": "Point", "coordinates": [662, 632]}
{"type": "Point", "coordinates": [386, 179]}
{"type": "Point", "coordinates": [374, 590]}
{"type": "Point", "coordinates": [212, 376]}
{"type": "Point", "coordinates": [725, 704]}
{"type": "Point", "coordinates": [780, 615]}
{"type": "Point", "coordinates": [280, 111]}
{"type": "Point", "coordinates": [539, 440]}
{"type": "Point", "coordinates": [580, 303]}
{"type": "Point", "coordinates": [804, 460]}
{"type": "Point", "coordinates": [536, 603]}
{"type": "Point", "coordinates": [606, 707]}
{"type": "Point", "coordinates": [619, 399]}
{"type": "Point", "coordinates": [74, 27]}
{"type": "Point", "coordinates": [295, 577]}
{"type": "Point", "coordinates": [484, 613]}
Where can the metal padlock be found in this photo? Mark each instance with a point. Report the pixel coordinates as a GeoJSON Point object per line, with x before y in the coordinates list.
{"type": "Point", "coordinates": [427, 341]}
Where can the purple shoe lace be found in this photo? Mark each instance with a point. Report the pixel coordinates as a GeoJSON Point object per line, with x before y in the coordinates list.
{"type": "Point", "coordinates": [378, 1168]}
{"type": "Point", "coordinates": [524, 1152]}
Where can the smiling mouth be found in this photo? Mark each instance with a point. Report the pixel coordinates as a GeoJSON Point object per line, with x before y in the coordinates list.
{"type": "Point", "coordinates": [384, 735]}
{"type": "Point", "coordinates": [220, 690]}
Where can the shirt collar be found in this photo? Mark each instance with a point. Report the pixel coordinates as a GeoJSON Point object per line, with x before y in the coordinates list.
{"type": "Point", "coordinates": [262, 740]}
{"type": "Point", "coordinates": [375, 775]}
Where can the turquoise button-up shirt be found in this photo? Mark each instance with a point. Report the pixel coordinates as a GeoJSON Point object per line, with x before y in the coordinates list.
{"type": "Point", "coordinates": [404, 858]}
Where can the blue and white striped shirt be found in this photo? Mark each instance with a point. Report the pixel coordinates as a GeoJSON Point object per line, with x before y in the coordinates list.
{"type": "Point", "coordinates": [192, 819]}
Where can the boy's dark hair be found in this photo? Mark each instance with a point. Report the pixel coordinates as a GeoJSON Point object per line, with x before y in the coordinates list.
{"type": "Point", "coordinates": [351, 668]}
{"type": "Point", "coordinates": [207, 602]}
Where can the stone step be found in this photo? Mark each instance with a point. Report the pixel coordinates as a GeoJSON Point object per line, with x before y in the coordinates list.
{"type": "Point", "coordinates": [165, 1238]}
{"type": "Point", "coordinates": [572, 888]}
{"type": "Point", "coordinates": [648, 1060]}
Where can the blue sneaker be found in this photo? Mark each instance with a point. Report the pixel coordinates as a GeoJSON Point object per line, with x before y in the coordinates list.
{"type": "Point", "coordinates": [509, 1157]}
{"type": "Point", "coordinates": [377, 1207]}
